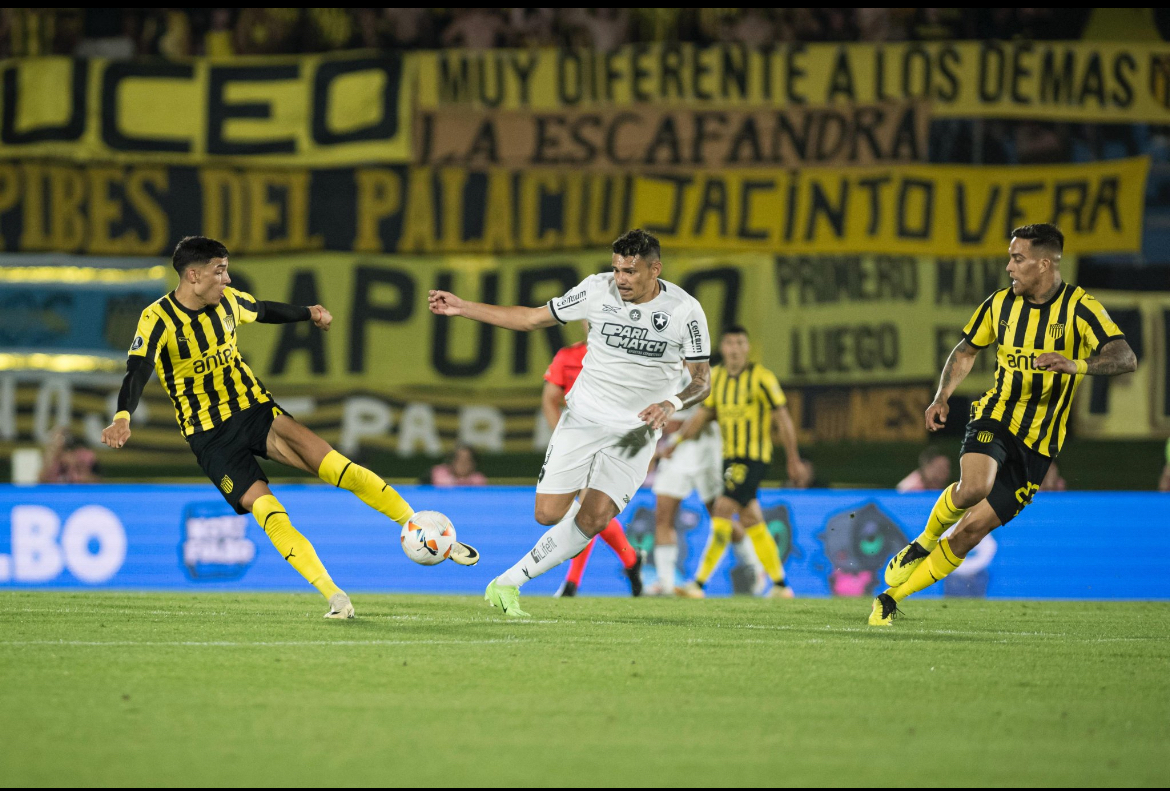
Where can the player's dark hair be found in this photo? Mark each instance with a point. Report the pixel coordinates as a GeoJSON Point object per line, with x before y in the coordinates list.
{"type": "Point", "coordinates": [1042, 234]}
{"type": "Point", "coordinates": [734, 329]}
{"type": "Point", "coordinates": [638, 243]}
{"type": "Point", "coordinates": [196, 251]}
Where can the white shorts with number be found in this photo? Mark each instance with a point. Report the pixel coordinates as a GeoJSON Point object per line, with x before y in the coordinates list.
{"type": "Point", "coordinates": [585, 455]}
{"type": "Point", "coordinates": [695, 465]}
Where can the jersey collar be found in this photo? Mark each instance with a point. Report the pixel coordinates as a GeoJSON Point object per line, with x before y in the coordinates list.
{"type": "Point", "coordinates": [1053, 298]}
{"type": "Point", "coordinates": [174, 301]}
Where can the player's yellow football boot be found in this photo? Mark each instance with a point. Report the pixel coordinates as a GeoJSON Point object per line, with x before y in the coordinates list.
{"type": "Point", "coordinates": [692, 590]}
{"type": "Point", "coordinates": [885, 610]}
{"type": "Point", "coordinates": [339, 607]}
{"type": "Point", "coordinates": [506, 597]}
{"type": "Point", "coordinates": [902, 565]}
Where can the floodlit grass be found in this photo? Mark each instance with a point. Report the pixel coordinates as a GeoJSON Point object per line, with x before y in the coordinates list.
{"type": "Point", "coordinates": [144, 689]}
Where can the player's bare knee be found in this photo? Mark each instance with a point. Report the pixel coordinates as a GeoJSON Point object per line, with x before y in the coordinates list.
{"type": "Point", "coordinates": [966, 493]}
{"type": "Point", "coordinates": [549, 514]}
{"type": "Point", "coordinates": [592, 522]}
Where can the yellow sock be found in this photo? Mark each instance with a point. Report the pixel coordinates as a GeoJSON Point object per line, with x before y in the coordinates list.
{"type": "Point", "coordinates": [295, 548]}
{"type": "Point", "coordinates": [767, 551]}
{"type": "Point", "coordinates": [939, 563]}
{"type": "Point", "coordinates": [716, 546]}
{"type": "Point", "coordinates": [370, 489]}
{"type": "Point", "coordinates": [942, 516]}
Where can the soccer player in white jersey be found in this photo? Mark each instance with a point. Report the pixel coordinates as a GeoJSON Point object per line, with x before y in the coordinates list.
{"type": "Point", "coordinates": [695, 466]}
{"type": "Point", "coordinates": [642, 332]}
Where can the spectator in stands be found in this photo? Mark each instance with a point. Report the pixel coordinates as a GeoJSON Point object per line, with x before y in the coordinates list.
{"type": "Point", "coordinates": [68, 460]}
{"type": "Point", "coordinates": [751, 27]}
{"type": "Point", "coordinates": [108, 33]}
{"type": "Point", "coordinates": [460, 470]}
{"type": "Point", "coordinates": [166, 32]}
{"type": "Point", "coordinates": [933, 472]}
{"type": "Point", "coordinates": [602, 29]}
{"type": "Point", "coordinates": [476, 28]}
{"type": "Point", "coordinates": [219, 42]}
{"type": "Point", "coordinates": [267, 31]}
{"type": "Point", "coordinates": [1052, 481]}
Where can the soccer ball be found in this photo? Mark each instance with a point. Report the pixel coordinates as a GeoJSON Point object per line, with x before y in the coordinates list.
{"type": "Point", "coordinates": [428, 537]}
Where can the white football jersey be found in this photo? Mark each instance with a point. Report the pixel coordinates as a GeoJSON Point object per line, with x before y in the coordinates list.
{"type": "Point", "coordinates": [636, 352]}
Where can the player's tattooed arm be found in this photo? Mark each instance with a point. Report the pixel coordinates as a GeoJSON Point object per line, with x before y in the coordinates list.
{"type": "Point", "coordinates": [657, 415]}
{"type": "Point", "coordinates": [1115, 357]}
{"type": "Point", "coordinates": [699, 388]}
{"type": "Point", "coordinates": [955, 370]}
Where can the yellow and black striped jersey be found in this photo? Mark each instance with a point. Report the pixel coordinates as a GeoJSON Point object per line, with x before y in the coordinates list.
{"type": "Point", "coordinates": [1035, 404]}
{"type": "Point", "coordinates": [743, 406]}
{"type": "Point", "coordinates": [195, 356]}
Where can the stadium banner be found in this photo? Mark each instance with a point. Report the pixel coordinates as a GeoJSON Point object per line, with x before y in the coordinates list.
{"type": "Point", "coordinates": [897, 209]}
{"type": "Point", "coordinates": [306, 111]}
{"type": "Point", "coordinates": [834, 543]}
{"type": "Point", "coordinates": [1136, 405]}
{"type": "Point", "coordinates": [857, 341]}
{"type": "Point", "coordinates": [1110, 82]}
{"type": "Point", "coordinates": [651, 137]}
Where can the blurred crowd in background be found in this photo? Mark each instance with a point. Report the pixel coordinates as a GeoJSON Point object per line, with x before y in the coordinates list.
{"type": "Point", "coordinates": [184, 32]}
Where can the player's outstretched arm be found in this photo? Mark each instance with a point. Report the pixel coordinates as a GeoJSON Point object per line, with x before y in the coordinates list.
{"type": "Point", "coordinates": [1115, 357]}
{"type": "Point", "coordinates": [514, 317]}
{"type": "Point", "coordinates": [552, 403]}
{"type": "Point", "coordinates": [690, 429]}
{"type": "Point", "coordinates": [958, 365]}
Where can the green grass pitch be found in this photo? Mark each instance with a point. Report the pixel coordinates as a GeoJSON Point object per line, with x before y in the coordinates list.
{"type": "Point", "coordinates": [227, 689]}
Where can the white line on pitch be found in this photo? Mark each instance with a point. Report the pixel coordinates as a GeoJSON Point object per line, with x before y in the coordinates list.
{"type": "Point", "coordinates": [246, 644]}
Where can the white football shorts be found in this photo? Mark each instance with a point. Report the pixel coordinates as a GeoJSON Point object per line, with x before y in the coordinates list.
{"type": "Point", "coordinates": [695, 465]}
{"type": "Point", "coordinates": [585, 455]}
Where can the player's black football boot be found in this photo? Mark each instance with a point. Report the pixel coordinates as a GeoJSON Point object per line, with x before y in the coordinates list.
{"type": "Point", "coordinates": [568, 589]}
{"type": "Point", "coordinates": [634, 573]}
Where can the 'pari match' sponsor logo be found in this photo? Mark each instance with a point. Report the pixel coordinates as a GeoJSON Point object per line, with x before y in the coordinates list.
{"type": "Point", "coordinates": [633, 339]}
{"type": "Point", "coordinates": [215, 543]}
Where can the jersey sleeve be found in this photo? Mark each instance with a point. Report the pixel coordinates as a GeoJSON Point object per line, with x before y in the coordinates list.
{"type": "Point", "coordinates": [149, 337]}
{"type": "Point", "coordinates": [1095, 325]}
{"type": "Point", "coordinates": [556, 370]}
{"type": "Point", "coordinates": [770, 389]}
{"type": "Point", "coordinates": [696, 338]}
{"type": "Point", "coordinates": [248, 308]}
{"type": "Point", "coordinates": [980, 330]}
{"type": "Point", "coordinates": [574, 304]}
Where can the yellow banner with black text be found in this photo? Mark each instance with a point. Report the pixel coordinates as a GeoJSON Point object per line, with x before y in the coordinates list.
{"type": "Point", "coordinates": [897, 209]}
{"type": "Point", "coordinates": [1111, 82]}
{"type": "Point", "coordinates": [307, 111]}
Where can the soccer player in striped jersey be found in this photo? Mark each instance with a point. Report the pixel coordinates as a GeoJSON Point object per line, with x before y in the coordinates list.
{"type": "Point", "coordinates": [228, 417]}
{"type": "Point", "coordinates": [750, 406]}
{"type": "Point", "coordinates": [1049, 334]}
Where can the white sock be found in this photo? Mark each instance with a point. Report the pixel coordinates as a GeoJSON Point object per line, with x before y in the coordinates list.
{"type": "Point", "coordinates": [562, 541]}
{"type": "Point", "coordinates": [665, 562]}
{"type": "Point", "coordinates": [745, 553]}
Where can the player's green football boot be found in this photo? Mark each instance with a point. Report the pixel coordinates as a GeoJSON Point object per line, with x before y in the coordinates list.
{"type": "Point", "coordinates": [885, 610]}
{"type": "Point", "coordinates": [506, 597]}
{"type": "Point", "coordinates": [902, 565]}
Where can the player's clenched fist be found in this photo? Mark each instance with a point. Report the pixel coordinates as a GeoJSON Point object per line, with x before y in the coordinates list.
{"type": "Point", "coordinates": [116, 434]}
{"type": "Point", "coordinates": [1056, 363]}
{"type": "Point", "coordinates": [444, 303]}
{"type": "Point", "coordinates": [320, 317]}
{"type": "Point", "coordinates": [936, 415]}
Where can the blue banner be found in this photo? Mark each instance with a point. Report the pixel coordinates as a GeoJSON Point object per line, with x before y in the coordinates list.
{"type": "Point", "coordinates": [835, 542]}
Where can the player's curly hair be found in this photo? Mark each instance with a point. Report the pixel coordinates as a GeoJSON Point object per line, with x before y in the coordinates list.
{"type": "Point", "coordinates": [196, 251]}
{"type": "Point", "coordinates": [1042, 234]}
{"type": "Point", "coordinates": [638, 243]}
